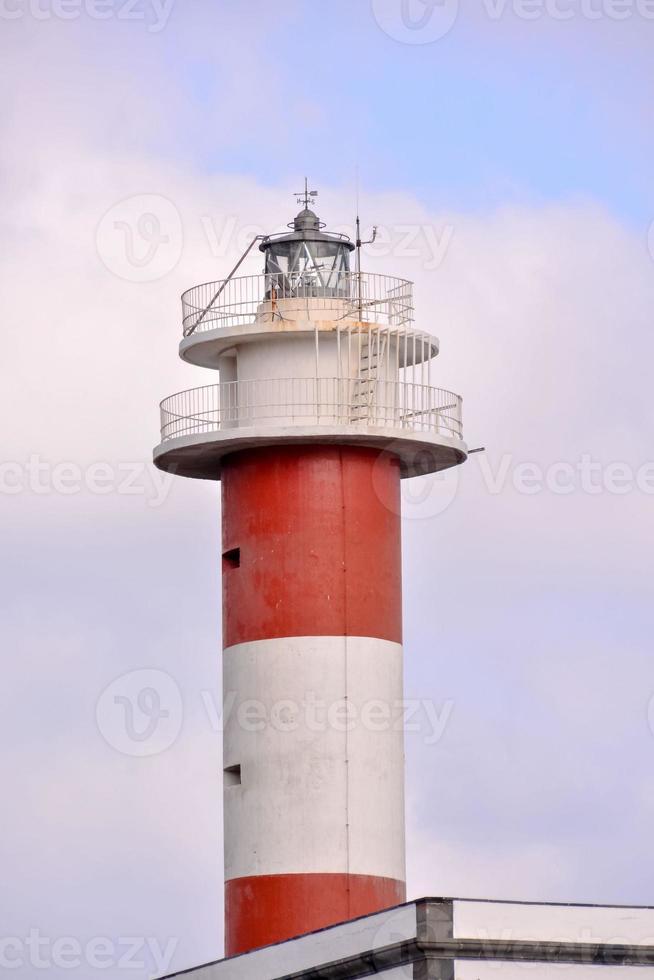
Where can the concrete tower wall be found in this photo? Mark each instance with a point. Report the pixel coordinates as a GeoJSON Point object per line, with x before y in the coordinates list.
{"type": "Point", "coordinates": [293, 356]}
{"type": "Point", "coordinates": [313, 757]}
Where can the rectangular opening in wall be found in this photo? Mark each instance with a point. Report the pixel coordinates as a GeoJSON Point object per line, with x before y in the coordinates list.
{"type": "Point", "coordinates": [232, 776]}
{"type": "Point", "coordinates": [232, 558]}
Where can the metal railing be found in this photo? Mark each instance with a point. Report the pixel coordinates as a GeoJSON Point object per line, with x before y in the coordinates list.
{"type": "Point", "coordinates": [311, 401]}
{"type": "Point", "coordinates": [365, 296]}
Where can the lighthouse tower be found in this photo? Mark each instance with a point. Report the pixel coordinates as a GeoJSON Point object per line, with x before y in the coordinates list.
{"type": "Point", "coordinates": [325, 401]}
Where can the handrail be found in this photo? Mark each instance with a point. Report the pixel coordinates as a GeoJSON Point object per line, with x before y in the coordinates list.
{"type": "Point", "coordinates": [309, 402]}
{"type": "Point", "coordinates": [237, 300]}
{"type": "Point", "coordinates": [221, 287]}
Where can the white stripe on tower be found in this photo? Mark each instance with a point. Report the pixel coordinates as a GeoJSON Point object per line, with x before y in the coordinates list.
{"type": "Point", "coordinates": [313, 727]}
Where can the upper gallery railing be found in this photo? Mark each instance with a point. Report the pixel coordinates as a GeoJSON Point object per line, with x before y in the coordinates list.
{"type": "Point", "coordinates": [362, 296]}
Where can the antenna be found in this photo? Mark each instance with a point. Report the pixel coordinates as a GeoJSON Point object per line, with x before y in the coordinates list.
{"type": "Point", "coordinates": [306, 197]}
{"type": "Point", "coordinates": [359, 243]}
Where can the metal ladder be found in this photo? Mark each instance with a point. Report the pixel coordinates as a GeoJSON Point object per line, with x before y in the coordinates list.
{"type": "Point", "coordinates": [371, 353]}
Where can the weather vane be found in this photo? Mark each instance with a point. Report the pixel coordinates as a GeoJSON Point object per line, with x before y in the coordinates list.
{"type": "Point", "coordinates": [305, 197]}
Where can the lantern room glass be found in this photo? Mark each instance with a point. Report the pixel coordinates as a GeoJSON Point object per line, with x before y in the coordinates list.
{"type": "Point", "coordinates": [301, 267]}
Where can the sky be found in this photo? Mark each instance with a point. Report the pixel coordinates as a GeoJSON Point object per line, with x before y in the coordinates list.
{"type": "Point", "coordinates": [504, 150]}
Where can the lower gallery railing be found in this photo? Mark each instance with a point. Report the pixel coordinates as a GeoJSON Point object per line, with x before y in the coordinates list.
{"type": "Point", "coordinates": [311, 402]}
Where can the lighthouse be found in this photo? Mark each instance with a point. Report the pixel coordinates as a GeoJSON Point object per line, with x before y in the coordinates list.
{"type": "Point", "coordinates": [325, 401]}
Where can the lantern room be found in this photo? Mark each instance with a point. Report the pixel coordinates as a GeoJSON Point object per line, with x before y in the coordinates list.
{"type": "Point", "coordinates": [307, 261]}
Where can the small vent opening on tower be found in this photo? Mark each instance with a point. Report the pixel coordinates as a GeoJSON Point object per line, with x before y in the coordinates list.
{"type": "Point", "coordinates": [232, 776]}
{"type": "Point", "coordinates": [232, 558]}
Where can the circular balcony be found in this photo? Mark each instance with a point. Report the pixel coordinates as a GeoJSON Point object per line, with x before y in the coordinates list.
{"type": "Point", "coordinates": [216, 315]}
{"type": "Point", "coordinates": [361, 296]}
{"type": "Point", "coordinates": [417, 423]}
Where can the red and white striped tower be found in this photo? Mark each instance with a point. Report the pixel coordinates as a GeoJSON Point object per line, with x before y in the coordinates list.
{"type": "Point", "coordinates": [325, 401]}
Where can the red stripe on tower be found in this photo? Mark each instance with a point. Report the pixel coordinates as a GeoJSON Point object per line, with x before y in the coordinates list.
{"type": "Point", "coordinates": [263, 910]}
{"type": "Point", "coordinates": [311, 538]}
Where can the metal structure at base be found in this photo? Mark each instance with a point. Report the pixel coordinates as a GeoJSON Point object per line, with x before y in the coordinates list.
{"type": "Point", "coordinates": [459, 939]}
{"type": "Point", "coordinates": [325, 402]}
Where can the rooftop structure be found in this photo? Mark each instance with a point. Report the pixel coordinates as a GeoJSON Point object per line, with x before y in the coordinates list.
{"type": "Point", "coordinates": [458, 939]}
